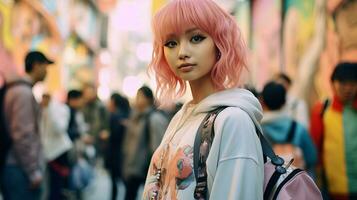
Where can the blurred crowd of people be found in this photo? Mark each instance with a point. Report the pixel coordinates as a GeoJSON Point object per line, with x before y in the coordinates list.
{"type": "Point", "coordinates": [320, 141]}
{"type": "Point", "coordinates": [55, 146]}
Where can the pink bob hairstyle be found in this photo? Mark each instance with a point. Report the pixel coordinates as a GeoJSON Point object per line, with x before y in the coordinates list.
{"type": "Point", "coordinates": [176, 17]}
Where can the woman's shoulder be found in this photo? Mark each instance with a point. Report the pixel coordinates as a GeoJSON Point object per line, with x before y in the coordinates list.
{"type": "Point", "coordinates": [234, 122]}
{"type": "Point", "coordinates": [230, 114]}
{"type": "Point", "coordinates": [237, 135]}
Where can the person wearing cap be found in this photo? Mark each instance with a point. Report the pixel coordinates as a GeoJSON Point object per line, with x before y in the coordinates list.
{"type": "Point", "coordinates": [334, 131]}
{"type": "Point", "coordinates": [23, 171]}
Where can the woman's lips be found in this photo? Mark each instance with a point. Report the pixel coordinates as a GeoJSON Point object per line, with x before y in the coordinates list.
{"type": "Point", "coordinates": [186, 67]}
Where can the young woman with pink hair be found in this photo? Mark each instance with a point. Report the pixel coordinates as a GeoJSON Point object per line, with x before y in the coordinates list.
{"type": "Point", "coordinates": [198, 43]}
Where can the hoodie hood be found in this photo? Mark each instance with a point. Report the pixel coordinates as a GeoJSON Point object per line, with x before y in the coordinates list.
{"type": "Point", "coordinates": [236, 97]}
{"type": "Point", "coordinates": [277, 125]}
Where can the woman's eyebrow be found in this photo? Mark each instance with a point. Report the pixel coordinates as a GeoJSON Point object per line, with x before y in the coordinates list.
{"type": "Point", "coordinates": [191, 30]}
{"type": "Point", "coordinates": [171, 35]}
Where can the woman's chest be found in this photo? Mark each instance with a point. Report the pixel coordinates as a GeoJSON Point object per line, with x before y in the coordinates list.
{"type": "Point", "coordinates": [175, 160]}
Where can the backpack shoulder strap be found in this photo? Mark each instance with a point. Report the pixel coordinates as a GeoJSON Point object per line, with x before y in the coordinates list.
{"type": "Point", "coordinates": [324, 107]}
{"type": "Point", "coordinates": [16, 83]}
{"type": "Point", "coordinates": [291, 133]}
{"type": "Point", "coordinates": [203, 141]}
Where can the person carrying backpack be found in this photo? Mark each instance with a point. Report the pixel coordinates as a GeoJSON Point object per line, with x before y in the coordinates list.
{"type": "Point", "coordinates": [198, 43]}
{"type": "Point", "coordinates": [295, 107]}
{"type": "Point", "coordinates": [290, 139]}
{"type": "Point", "coordinates": [282, 180]}
{"type": "Point", "coordinates": [22, 173]}
{"type": "Point", "coordinates": [334, 131]}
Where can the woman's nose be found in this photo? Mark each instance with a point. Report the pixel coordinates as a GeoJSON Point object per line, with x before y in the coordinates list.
{"type": "Point", "coordinates": [183, 51]}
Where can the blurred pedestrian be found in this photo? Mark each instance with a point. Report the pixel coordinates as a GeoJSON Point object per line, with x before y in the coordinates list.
{"type": "Point", "coordinates": [56, 144]}
{"type": "Point", "coordinates": [145, 130]}
{"type": "Point", "coordinates": [119, 109]}
{"type": "Point", "coordinates": [83, 151]}
{"type": "Point", "coordinates": [290, 139]}
{"type": "Point", "coordinates": [334, 130]}
{"type": "Point", "coordinates": [77, 126]}
{"type": "Point", "coordinates": [97, 117]}
{"type": "Point", "coordinates": [295, 107]}
{"type": "Point", "coordinates": [24, 168]}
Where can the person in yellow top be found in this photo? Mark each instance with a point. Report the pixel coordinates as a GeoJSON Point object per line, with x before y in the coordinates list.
{"type": "Point", "coordinates": [334, 129]}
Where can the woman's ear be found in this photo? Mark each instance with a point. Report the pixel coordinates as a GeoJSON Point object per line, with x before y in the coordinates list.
{"type": "Point", "coordinates": [218, 55]}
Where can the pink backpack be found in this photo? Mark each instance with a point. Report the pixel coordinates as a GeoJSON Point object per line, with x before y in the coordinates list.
{"type": "Point", "coordinates": [281, 180]}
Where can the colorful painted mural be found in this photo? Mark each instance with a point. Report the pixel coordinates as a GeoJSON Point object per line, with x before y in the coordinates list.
{"type": "Point", "coordinates": [265, 42]}
{"type": "Point", "coordinates": [48, 26]}
{"type": "Point", "coordinates": [340, 42]}
{"type": "Point", "coordinates": [26, 26]}
{"type": "Point", "coordinates": [304, 38]}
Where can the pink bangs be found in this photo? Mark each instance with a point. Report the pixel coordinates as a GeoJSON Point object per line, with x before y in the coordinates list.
{"type": "Point", "coordinates": [179, 15]}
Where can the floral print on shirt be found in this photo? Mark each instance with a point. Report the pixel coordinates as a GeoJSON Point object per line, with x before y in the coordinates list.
{"type": "Point", "coordinates": [178, 176]}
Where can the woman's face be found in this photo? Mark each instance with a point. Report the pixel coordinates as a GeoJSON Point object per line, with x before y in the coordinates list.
{"type": "Point", "coordinates": [190, 55]}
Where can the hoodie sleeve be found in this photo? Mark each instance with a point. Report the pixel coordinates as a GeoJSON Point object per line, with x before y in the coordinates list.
{"type": "Point", "coordinates": [239, 174]}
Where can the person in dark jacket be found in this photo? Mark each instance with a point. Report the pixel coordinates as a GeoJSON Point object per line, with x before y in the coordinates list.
{"type": "Point", "coordinates": [119, 109]}
{"type": "Point", "coordinates": [97, 118]}
{"type": "Point", "coordinates": [146, 128]}
{"type": "Point", "coordinates": [24, 166]}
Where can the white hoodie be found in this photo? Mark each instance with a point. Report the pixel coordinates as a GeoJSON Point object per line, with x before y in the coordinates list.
{"type": "Point", "coordinates": [235, 163]}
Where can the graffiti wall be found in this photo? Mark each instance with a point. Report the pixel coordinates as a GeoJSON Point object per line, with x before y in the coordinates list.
{"type": "Point", "coordinates": [303, 38]}
{"type": "Point", "coordinates": [340, 42]}
{"type": "Point", "coordinates": [49, 26]}
{"type": "Point", "coordinates": [266, 40]}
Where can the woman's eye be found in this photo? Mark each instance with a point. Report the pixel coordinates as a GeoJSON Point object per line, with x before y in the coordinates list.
{"type": "Point", "coordinates": [197, 38]}
{"type": "Point", "coordinates": [170, 44]}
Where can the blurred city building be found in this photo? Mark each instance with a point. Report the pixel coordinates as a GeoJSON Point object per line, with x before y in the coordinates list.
{"type": "Point", "coordinates": [108, 42]}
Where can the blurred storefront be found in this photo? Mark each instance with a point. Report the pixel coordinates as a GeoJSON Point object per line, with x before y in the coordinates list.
{"type": "Point", "coordinates": [108, 42]}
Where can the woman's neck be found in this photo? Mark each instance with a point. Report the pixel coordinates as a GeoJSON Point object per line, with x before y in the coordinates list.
{"type": "Point", "coordinates": [200, 89]}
